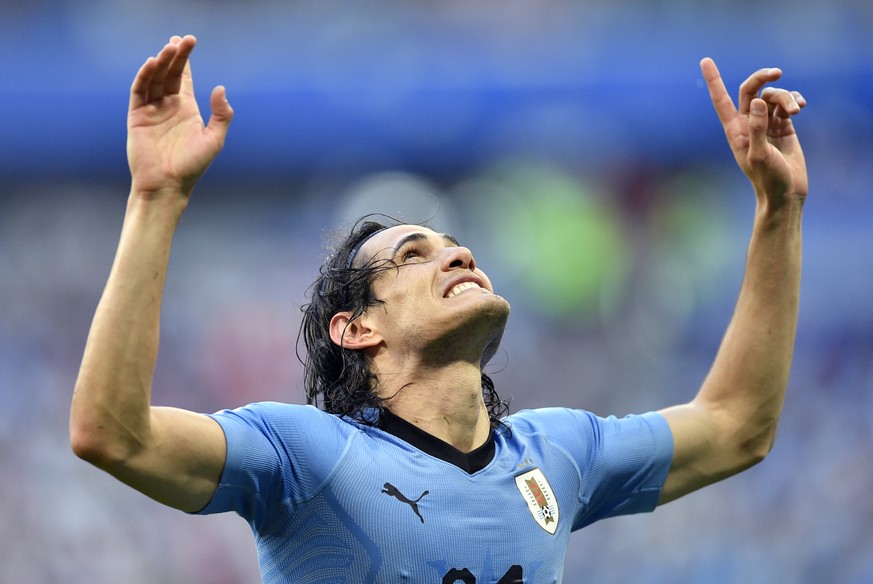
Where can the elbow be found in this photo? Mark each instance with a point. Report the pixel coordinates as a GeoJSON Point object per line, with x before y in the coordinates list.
{"type": "Point", "coordinates": [88, 447]}
{"type": "Point", "coordinates": [93, 443]}
{"type": "Point", "coordinates": [100, 434]}
{"type": "Point", "coordinates": [754, 450]}
{"type": "Point", "coordinates": [84, 433]}
{"type": "Point", "coordinates": [83, 449]}
{"type": "Point", "coordinates": [754, 457]}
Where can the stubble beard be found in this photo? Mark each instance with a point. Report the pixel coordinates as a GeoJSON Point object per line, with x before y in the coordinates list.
{"type": "Point", "coordinates": [476, 336]}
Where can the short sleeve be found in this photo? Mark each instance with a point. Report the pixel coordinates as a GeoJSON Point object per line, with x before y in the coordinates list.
{"type": "Point", "coordinates": [275, 453]}
{"type": "Point", "coordinates": [622, 462]}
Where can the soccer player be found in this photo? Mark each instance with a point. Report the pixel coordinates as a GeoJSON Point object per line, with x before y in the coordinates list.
{"type": "Point", "coordinates": [410, 470]}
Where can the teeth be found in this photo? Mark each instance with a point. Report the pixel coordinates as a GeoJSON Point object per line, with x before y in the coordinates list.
{"type": "Point", "coordinates": [460, 288]}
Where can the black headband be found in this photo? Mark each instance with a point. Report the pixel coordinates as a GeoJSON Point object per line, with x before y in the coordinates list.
{"type": "Point", "coordinates": [357, 247]}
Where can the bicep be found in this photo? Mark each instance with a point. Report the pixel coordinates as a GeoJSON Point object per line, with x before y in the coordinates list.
{"type": "Point", "coordinates": [704, 449]}
{"type": "Point", "coordinates": [182, 462]}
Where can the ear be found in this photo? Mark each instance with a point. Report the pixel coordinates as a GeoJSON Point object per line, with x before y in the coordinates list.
{"type": "Point", "coordinates": [352, 334]}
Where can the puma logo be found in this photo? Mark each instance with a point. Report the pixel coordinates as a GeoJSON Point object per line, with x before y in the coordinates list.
{"type": "Point", "coordinates": [391, 490]}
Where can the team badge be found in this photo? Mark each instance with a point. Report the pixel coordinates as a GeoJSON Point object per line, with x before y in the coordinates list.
{"type": "Point", "coordinates": [540, 499]}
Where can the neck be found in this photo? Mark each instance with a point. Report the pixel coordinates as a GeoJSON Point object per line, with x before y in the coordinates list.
{"type": "Point", "coordinates": [444, 401]}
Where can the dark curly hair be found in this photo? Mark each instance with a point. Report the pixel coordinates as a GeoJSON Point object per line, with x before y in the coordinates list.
{"type": "Point", "coordinates": [339, 380]}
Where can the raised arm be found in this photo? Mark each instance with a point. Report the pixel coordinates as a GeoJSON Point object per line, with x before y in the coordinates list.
{"type": "Point", "coordinates": [731, 423]}
{"type": "Point", "coordinates": [171, 455]}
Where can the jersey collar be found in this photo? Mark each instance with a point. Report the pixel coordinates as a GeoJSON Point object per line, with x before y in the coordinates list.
{"type": "Point", "coordinates": [469, 462]}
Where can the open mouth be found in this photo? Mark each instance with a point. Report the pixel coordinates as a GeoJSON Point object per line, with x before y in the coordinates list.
{"type": "Point", "coordinates": [461, 288]}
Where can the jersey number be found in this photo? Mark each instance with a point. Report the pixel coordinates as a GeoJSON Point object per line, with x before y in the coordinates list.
{"type": "Point", "coordinates": [512, 576]}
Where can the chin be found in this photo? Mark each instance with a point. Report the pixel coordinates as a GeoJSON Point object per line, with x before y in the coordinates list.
{"type": "Point", "coordinates": [494, 317]}
{"type": "Point", "coordinates": [500, 307]}
{"type": "Point", "coordinates": [491, 348]}
{"type": "Point", "coordinates": [471, 332]}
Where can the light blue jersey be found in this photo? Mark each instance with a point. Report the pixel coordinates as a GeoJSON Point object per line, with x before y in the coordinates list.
{"type": "Point", "coordinates": [331, 501]}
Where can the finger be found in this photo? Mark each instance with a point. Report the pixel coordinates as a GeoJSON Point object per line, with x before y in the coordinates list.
{"type": "Point", "coordinates": [780, 100]}
{"type": "Point", "coordinates": [179, 68]}
{"type": "Point", "coordinates": [162, 65]}
{"type": "Point", "coordinates": [721, 100]}
{"type": "Point", "coordinates": [753, 84]}
{"type": "Point", "coordinates": [222, 114]}
{"type": "Point", "coordinates": [758, 122]}
{"type": "Point", "coordinates": [139, 89]}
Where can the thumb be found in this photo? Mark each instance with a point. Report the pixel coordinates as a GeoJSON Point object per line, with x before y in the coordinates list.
{"type": "Point", "coordinates": [222, 114]}
{"type": "Point", "coordinates": [758, 121]}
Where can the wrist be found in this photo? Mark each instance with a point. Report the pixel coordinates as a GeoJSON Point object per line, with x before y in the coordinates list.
{"type": "Point", "coordinates": [164, 196]}
{"type": "Point", "coordinates": [164, 205]}
{"type": "Point", "coordinates": [779, 203]}
{"type": "Point", "coordinates": [779, 210]}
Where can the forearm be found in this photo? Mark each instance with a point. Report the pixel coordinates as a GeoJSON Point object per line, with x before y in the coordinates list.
{"type": "Point", "coordinates": [746, 385]}
{"type": "Point", "coordinates": [731, 423]}
{"type": "Point", "coordinates": [110, 412]}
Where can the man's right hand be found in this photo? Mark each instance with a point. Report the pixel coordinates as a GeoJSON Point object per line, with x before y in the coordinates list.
{"type": "Point", "coordinates": [168, 145]}
{"type": "Point", "coordinates": [172, 455]}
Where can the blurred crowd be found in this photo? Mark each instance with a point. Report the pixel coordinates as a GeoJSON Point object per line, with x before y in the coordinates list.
{"type": "Point", "coordinates": [619, 243]}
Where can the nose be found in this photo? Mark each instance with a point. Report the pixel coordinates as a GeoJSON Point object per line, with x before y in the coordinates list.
{"type": "Point", "coordinates": [458, 257]}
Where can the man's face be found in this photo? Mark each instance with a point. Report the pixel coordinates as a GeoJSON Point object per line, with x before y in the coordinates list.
{"type": "Point", "coordinates": [437, 303]}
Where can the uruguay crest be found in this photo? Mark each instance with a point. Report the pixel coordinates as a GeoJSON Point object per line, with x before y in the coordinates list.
{"type": "Point", "coordinates": [540, 499]}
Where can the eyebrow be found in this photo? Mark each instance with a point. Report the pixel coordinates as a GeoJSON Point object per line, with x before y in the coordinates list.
{"type": "Point", "coordinates": [418, 236]}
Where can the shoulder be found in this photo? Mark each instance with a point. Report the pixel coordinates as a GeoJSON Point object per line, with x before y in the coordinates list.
{"type": "Point", "coordinates": [547, 419]}
{"type": "Point", "coordinates": [279, 414]}
{"type": "Point", "coordinates": [301, 425]}
{"type": "Point", "coordinates": [567, 425]}
{"type": "Point", "coordinates": [622, 462]}
{"type": "Point", "coordinates": [279, 441]}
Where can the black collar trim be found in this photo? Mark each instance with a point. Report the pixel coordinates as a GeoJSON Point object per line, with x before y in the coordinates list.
{"type": "Point", "coordinates": [468, 462]}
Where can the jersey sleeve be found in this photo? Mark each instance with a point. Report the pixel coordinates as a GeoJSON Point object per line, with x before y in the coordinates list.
{"type": "Point", "coordinates": [622, 462]}
{"type": "Point", "coordinates": [275, 452]}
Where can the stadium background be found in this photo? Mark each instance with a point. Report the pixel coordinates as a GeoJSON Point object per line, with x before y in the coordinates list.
{"type": "Point", "coordinates": [571, 145]}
